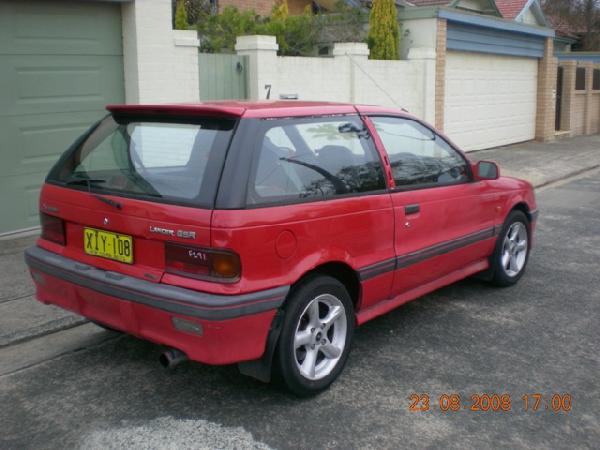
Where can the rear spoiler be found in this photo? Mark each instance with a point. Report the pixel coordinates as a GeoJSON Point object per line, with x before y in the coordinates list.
{"type": "Point", "coordinates": [185, 110]}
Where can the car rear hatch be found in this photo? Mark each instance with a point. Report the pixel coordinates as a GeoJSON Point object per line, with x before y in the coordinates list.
{"type": "Point", "coordinates": [136, 194]}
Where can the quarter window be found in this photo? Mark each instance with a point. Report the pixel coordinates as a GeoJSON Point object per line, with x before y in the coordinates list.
{"type": "Point", "coordinates": [304, 159]}
{"type": "Point", "coordinates": [418, 156]}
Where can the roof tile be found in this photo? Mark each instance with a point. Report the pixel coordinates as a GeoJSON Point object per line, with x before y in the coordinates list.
{"type": "Point", "coordinates": [510, 9]}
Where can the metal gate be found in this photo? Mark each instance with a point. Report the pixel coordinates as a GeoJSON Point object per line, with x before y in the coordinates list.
{"type": "Point", "coordinates": [223, 76]}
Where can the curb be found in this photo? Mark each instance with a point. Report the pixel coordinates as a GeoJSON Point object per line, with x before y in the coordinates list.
{"type": "Point", "coordinates": [567, 176]}
{"type": "Point", "coordinates": [53, 326]}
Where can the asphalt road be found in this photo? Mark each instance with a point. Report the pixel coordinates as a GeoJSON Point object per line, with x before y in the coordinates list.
{"type": "Point", "coordinates": [541, 336]}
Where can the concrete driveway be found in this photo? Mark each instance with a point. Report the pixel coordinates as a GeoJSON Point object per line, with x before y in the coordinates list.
{"type": "Point", "coordinates": [89, 388]}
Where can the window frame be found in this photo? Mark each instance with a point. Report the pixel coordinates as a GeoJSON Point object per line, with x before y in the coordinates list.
{"type": "Point", "coordinates": [415, 187]}
{"type": "Point", "coordinates": [264, 125]}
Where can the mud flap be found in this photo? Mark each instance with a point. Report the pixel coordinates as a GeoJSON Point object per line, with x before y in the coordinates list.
{"type": "Point", "coordinates": [261, 368]}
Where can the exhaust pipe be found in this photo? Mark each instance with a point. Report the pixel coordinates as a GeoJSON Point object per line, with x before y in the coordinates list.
{"type": "Point", "coordinates": [172, 357]}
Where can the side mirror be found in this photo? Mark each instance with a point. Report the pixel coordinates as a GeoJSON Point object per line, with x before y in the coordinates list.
{"type": "Point", "coordinates": [486, 170]}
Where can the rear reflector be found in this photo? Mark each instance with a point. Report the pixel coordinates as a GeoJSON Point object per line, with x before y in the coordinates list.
{"type": "Point", "coordinates": [187, 326]}
{"type": "Point", "coordinates": [53, 228]}
{"type": "Point", "coordinates": [202, 263]}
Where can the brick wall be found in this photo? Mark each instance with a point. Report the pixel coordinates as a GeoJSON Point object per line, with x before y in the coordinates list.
{"type": "Point", "coordinates": [580, 109]}
{"type": "Point", "coordinates": [298, 6]}
{"type": "Point", "coordinates": [440, 73]}
{"type": "Point", "coordinates": [546, 95]}
{"type": "Point", "coordinates": [264, 7]}
{"type": "Point", "coordinates": [567, 89]}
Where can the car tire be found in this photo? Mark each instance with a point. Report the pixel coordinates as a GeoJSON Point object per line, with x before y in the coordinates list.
{"type": "Point", "coordinates": [512, 250]}
{"type": "Point", "coordinates": [316, 335]}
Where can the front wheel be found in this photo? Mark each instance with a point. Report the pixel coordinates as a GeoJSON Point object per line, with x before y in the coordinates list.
{"type": "Point", "coordinates": [512, 250]}
{"type": "Point", "coordinates": [316, 335]}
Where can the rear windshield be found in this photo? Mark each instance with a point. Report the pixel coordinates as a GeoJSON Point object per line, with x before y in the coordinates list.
{"type": "Point", "coordinates": [172, 162]}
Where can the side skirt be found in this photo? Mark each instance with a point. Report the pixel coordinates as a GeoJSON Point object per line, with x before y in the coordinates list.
{"type": "Point", "coordinates": [387, 305]}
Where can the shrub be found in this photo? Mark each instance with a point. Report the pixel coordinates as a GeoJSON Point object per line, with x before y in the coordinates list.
{"type": "Point", "coordinates": [297, 35]}
{"type": "Point", "coordinates": [218, 32]}
{"type": "Point", "coordinates": [181, 20]}
{"type": "Point", "coordinates": [384, 36]}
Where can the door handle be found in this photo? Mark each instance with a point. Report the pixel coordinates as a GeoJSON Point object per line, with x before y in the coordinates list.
{"type": "Point", "coordinates": [411, 209]}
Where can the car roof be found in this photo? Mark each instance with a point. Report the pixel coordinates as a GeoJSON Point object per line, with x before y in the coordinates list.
{"type": "Point", "coordinates": [257, 109]}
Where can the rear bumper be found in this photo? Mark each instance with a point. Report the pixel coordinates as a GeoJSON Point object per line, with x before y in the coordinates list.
{"type": "Point", "coordinates": [234, 327]}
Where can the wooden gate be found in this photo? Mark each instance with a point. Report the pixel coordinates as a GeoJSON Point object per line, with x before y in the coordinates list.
{"type": "Point", "coordinates": [223, 76]}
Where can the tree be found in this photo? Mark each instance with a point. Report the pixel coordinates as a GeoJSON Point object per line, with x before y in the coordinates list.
{"type": "Point", "coordinates": [384, 35]}
{"type": "Point", "coordinates": [582, 17]}
{"type": "Point", "coordinates": [181, 20]}
{"type": "Point", "coordinates": [591, 23]}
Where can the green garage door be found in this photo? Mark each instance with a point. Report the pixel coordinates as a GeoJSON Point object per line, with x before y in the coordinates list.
{"type": "Point", "coordinates": [61, 62]}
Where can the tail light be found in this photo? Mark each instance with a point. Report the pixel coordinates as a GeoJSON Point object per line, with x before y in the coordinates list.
{"type": "Point", "coordinates": [53, 229]}
{"type": "Point", "coordinates": [202, 263]}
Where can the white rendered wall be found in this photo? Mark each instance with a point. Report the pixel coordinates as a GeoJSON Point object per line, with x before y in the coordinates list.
{"type": "Point", "coordinates": [161, 64]}
{"type": "Point", "coordinates": [347, 77]}
{"type": "Point", "coordinates": [417, 33]}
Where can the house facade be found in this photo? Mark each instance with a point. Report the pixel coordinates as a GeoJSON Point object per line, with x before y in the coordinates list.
{"type": "Point", "coordinates": [494, 73]}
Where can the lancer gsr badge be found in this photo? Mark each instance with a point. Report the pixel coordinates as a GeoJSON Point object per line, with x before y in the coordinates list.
{"type": "Point", "coordinates": [168, 232]}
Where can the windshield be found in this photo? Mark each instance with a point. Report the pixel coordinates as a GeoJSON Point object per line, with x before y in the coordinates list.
{"type": "Point", "coordinates": [172, 162]}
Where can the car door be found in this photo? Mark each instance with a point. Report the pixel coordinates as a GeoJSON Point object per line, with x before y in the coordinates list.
{"type": "Point", "coordinates": [316, 195]}
{"type": "Point", "coordinates": [443, 222]}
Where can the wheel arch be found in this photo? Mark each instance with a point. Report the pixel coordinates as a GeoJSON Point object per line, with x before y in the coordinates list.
{"type": "Point", "coordinates": [524, 208]}
{"type": "Point", "coordinates": [342, 272]}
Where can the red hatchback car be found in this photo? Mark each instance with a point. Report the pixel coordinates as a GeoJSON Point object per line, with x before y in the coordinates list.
{"type": "Point", "coordinates": [263, 233]}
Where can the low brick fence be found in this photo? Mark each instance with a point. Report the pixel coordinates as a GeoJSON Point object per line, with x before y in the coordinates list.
{"type": "Point", "coordinates": [580, 98]}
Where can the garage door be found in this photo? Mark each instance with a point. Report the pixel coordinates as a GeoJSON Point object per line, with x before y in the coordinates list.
{"type": "Point", "coordinates": [60, 63]}
{"type": "Point", "coordinates": [490, 99]}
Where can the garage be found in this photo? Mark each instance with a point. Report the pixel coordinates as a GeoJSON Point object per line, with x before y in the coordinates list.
{"type": "Point", "coordinates": [490, 80]}
{"type": "Point", "coordinates": [61, 62]}
{"type": "Point", "coordinates": [491, 100]}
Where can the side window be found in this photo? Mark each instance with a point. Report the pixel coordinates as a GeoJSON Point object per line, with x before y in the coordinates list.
{"type": "Point", "coordinates": [417, 155]}
{"type": "Point", "coordinates": [314, 159]}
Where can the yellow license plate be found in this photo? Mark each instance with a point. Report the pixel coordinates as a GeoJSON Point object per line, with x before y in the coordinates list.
{"type": "Point", "coordinates": [108, 245]}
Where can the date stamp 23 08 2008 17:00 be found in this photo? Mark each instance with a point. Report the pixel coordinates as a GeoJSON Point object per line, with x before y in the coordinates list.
{"type": "Point", "coordinates": [453, 402]}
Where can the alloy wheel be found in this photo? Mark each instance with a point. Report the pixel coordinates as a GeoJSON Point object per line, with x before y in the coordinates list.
{"type": "Point", "coordinates": [514, 249]}
{"type": "Point", "coordinates": [320, 337]}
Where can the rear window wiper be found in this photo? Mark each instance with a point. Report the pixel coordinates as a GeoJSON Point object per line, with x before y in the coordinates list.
{"type": "Point", "coordinates": [88, 182]}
